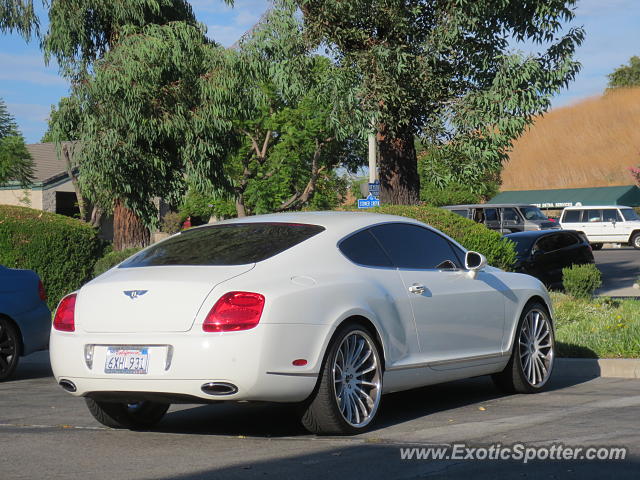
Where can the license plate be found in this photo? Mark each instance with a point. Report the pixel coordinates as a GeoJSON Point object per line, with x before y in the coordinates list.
{"type": "Point", "coordinates": [127, 360]}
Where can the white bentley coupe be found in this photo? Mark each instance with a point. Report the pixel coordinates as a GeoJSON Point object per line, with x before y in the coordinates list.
{"type": "Point", "coordinates": [328, 310]}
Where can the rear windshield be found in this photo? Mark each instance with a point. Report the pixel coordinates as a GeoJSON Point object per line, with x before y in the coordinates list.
{"type": "Point", "coordinates": [233, 244]}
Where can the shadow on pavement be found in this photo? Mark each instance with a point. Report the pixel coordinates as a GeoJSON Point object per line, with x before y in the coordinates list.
{"type": "Point", "coordinates": [384, 462]}
{"type": "Point", "coordinates": [275, 420]}
{"type": "Point", "coordinates": [33, 366]}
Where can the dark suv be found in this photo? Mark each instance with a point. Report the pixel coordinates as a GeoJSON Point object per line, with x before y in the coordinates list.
{"type": "Point", "coordinates": [507, 217]}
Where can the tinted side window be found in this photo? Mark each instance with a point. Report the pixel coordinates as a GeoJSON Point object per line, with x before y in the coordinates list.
{"type": "Point", "coordinates": [547, 244]}
{"type": "Point", "coordinates": [571, 216]}
{"type": "Point", "coordinates": [611, 215]}
{"type": "Point", "coordinates": [462, 213]}
{"type": "Point", "coordinates": [232, 244]}
{"type": "Point", "coordinates": [411, 246]}
{"type": "Point", "coordinates": [491, 214]}
{"type": "Point", "coordinates": [509, 214]}
{"type": "Point", "coordinates": [565, 240]}
{"type": "Point", "coordinates": [363, 249]}
{"type": "Point", "coordinates": [556, 241]}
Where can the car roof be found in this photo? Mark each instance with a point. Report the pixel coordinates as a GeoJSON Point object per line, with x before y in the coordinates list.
{"type": "Point", "coordinates": [490, 205]}
{"type": "Point", "coordinates": [537, 233]}
{"type": "Point", "coordinates": [593, 207]}
{"type": "Point", "coordinates": [339, 223]}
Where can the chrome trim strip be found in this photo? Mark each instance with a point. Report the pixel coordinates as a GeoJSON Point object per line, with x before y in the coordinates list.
{"type": "Point", "coordinates": [449, 362]}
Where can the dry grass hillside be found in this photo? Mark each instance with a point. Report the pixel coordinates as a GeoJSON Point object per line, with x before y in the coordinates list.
{"type": "Point", "coordinates": [588, 144]}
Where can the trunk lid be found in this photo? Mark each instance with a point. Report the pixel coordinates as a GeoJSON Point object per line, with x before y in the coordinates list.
{"type": "Point", "coordinates": [149, 299]}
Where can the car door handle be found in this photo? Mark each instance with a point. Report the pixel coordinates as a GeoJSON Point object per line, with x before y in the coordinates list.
{"type": "Point", "coordinates": [417, 289]}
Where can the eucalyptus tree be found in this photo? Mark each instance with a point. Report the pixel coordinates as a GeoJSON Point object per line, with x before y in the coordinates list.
{"type": "Point", "coordinates": [19, 16]}
{"type": "Point", "coordinates": [146, 127]}
{"type": "Point", "coordinates": [84, 37]}
{"type": "Point", "coordinates": [443, 70]}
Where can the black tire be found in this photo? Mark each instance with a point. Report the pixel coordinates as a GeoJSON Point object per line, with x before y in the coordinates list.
{"type": "Point", "coordinates": [322, 412]}
{"type": "Point", "coordinates": [635, 240]}
{"type": "Point", "coordinates": [596, 246]}
{"type": "Point", "coordinates": [9, 348]}
{"type": "Point", "coordinates": [514, 378]}
{"type": "Point", "coordinates": [134, 416]}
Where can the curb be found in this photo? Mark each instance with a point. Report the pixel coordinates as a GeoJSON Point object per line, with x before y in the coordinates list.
{"type": "Point", "coordinates": [597, 367]}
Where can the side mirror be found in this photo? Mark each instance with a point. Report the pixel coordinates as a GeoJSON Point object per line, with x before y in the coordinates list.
{"type": "Point", "coordinates": [474, 262]}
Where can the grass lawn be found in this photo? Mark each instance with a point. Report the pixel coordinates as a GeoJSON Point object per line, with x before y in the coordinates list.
{"type": "Point", "coordinates": [598, 328]}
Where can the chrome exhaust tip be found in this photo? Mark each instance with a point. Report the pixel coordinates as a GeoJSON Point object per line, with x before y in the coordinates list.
{"type": "Point", "coordinates": [219, 388]}
{"type": "Point", "coordinates": [68, 385]}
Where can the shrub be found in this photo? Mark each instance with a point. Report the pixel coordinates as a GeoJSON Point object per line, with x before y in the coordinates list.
{"type": "Point", "coordinates": [580, 281]}
{"type": "Point", "coordinates": [499, 251]}
{"type": "Point", "coordinates": [454, 194]}
{"type": "Point", "coordinates": [60, 249]}
{"type": "Point", "coordinates": [171, 223]}
{"type": "Point", "coordinates": [112, 259]}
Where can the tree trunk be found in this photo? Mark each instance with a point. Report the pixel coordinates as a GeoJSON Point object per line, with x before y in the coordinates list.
{"type": "Point", "coordinates": [240, 208]}
{"type": "Point", "coordinates": [128, 230]}
{"type": "Point", "coordinates": [398, 164]}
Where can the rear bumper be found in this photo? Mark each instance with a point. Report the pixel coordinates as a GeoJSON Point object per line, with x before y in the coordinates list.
{"type": "Point", "coordinates": [257, 362]}
{"type": "Point", "coordinates": [35, 326]}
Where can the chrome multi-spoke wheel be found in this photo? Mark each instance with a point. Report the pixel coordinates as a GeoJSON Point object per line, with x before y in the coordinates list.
{"type": "Point", "coordinates": [349, 389]}
{"type": "Point", "coordinates": [536, 347]}
{"type": "Point", "coordinates": [531, 361]}
{"type": "Point", "coordinates": [9, 348]}
{"type": "Point", "coordinates": [356, 379]}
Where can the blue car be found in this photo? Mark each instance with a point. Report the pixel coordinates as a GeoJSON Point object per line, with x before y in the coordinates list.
{"type": "Point", "coordinates": [25, 319]}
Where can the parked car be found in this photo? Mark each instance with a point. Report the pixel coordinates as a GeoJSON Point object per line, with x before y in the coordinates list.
{"type": "Point", "coordinates": [604, 224]}
{"type": "Point", "coordinates": [545, 253]}
{"type": "Point", "coordinates": [25, 319]}
{"type": "Point", "coordinates": [327, 309]}
{"type": "Point", "coordinates": [505, 218]}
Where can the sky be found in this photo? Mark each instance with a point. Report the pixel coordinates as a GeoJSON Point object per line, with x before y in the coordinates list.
{"type": "Point", "coordinates": [29, 87]}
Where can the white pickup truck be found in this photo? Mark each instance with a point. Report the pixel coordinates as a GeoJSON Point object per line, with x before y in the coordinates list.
{"type": "Point", "coordinates": [604, 224]}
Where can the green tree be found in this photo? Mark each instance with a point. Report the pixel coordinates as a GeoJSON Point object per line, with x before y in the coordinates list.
{"type": "Point", "coordinates": [15, 160]}
{"type": "Point", "coordinates": [144, 132]}
{"type": "Point", "coordinates": [18, 16]}
{"type": "Point", "coordinates": [625, 75]}
{"type": "Point", "coordinates": [290, 150]}
{"type": "Point", "coordinates": [442, 70]}
{"type": "Point", "coordinates": [81, 35]}
{"type": "Point", "coordinates": [82, 31]}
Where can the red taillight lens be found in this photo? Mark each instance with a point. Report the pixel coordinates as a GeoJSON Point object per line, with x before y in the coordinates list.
{"type": "Point", "coordinates": [65, 314]}
{"type": "Point", "coordinates": [41, 291]}
{"type": "Point", "coordinates": [235, 311]}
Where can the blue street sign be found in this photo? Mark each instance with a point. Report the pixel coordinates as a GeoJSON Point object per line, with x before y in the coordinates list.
{"type": "Point", "coordinates": [368, 202]}
{"type": "Point", "coordinates": [374, 188]}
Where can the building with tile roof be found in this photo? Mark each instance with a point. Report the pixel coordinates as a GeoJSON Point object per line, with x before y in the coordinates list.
{"type": "Point", "coordinates": [51, 189]}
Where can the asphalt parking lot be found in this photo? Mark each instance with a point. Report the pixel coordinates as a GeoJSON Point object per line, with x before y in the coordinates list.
{"type": "Point", "coordinates": [46, 433]}
{"type": "Point", "coordinates": [620, 268]}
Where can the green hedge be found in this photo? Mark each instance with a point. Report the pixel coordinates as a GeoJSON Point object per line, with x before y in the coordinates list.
{"type": "Point", "coordinates": [499, 251]}
{"type": "Point", "coordinates": [60, 249]}
{"type": "Point", "coordinates": [112, 259]}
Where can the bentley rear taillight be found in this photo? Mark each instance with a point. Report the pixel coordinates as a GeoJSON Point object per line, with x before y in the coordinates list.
{"type": "Point", "coordinates": [235, 311]}
{"type": "Point", "coordinates": [65, 314]}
